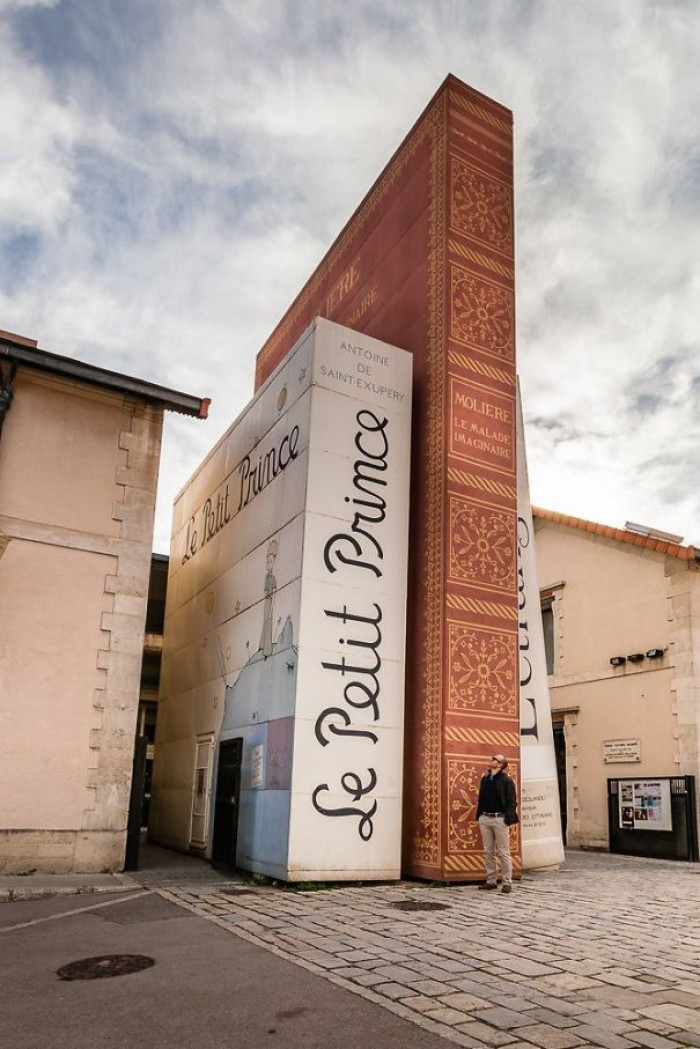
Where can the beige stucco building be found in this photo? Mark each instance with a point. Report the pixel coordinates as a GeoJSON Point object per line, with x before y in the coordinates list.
{"type": "Point", "coordinates": [79, 456]}
{"type": "Point", "coordinates": [621, 609]}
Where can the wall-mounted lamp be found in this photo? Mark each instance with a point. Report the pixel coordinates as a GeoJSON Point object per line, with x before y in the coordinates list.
{"type": "Point", "coordinates": [655, 653]}
{"type": "Point", "coordinates": [636, 657]}
{"type": "Point", "coordinates": [617, 661]}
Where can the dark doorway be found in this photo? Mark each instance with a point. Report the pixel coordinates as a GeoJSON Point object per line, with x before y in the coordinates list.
{"type": "Point", "coordinates": [135, 819]}
{"type": "Point", "coordinates": [228, 789]}
{"type": "Point", "coordinates": [560, 757]}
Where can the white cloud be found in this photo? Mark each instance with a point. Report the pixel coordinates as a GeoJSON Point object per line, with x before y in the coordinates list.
{"type": "Point", "coordinates": [37, 133]}
{"type": "Point", "coordinates": [17, 5]}
{"type": "Point", "coordinates": [179, 169]}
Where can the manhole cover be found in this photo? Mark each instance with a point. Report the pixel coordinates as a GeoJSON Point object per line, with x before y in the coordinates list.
{"type": "Point", "coordinates": [416, 905]}
{"type": "Point", "coordinates": [107, 965]}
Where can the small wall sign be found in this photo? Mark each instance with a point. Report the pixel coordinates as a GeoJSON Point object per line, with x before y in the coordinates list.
{"type": "Point", "coordinates": [620, 751]}
{"type": "Point", "coordinates": [257, 777]}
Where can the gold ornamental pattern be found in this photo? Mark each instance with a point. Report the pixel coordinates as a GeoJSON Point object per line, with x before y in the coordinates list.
{"type": "Point", "coordinates": [482, 545]}
{"type": "Point", "coordinates": [482, 671]}
{"type": "Point", "coordinates": [463, 784]}
{"type": "Point", "coordinates": [482, 313]}
{"type": "Point", "coordinates": [426, 841]}
{"type": "Point", "coordinates": [489, 115]}
{"type": "Point", "coordinates": [480, 207]}
{"type": "Point", "coordinates": [484, 484]}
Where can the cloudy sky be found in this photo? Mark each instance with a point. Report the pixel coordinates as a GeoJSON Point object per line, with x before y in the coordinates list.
{"type": "Point", "coordinates": [173, 170]}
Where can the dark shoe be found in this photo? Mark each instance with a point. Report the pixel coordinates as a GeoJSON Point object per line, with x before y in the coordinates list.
{"type": "Point", "coordinates": [488, 887]}
{"type": "Point", "coordinates": [506, 888]}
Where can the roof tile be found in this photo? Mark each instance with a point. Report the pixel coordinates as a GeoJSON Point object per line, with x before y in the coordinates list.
{"type": "Point", "coordinates": [685, 553]}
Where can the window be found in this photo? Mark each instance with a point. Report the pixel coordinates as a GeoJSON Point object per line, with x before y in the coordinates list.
{"type": "Point", "coordinates": [547, 606]}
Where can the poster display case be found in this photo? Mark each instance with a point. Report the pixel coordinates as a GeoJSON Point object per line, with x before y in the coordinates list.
{"type": "Point", "coordinates": [653, 816]}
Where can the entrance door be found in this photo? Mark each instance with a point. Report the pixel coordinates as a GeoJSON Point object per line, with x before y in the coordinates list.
{"type": "Point", "coordinates": [228, 788]}
{"type": "Point", "coordinates": [560, 757]}
{"type": "Point", "coordinates": [201, 791]}
{"type": "Point", "coordinates": [135, 818]}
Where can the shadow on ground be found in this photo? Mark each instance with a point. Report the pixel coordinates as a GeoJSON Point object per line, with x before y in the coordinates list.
{"type": "Point", "coordinates": [161, 867]}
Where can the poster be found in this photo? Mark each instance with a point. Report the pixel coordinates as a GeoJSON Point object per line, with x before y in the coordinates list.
{"type": "Point", "coordinates": [645, 804]}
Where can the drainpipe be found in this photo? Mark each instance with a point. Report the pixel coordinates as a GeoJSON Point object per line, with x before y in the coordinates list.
{"type": "Point", "coordinates": [7, 378]}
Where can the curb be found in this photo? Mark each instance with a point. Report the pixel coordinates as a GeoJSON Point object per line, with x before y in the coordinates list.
{"type": "Point", "coordinates": [45, 892]}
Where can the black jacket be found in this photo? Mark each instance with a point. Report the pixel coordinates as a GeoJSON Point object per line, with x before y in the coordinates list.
{"type": "Point", "coordinates": [505, 789]}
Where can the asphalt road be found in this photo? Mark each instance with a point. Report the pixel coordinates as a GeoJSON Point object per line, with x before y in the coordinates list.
{"type": "Point", "coordinates": [207, 988]}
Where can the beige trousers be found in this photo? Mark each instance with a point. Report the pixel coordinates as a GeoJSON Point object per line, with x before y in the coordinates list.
{"type": "Point", "coordinates": [495, 836]}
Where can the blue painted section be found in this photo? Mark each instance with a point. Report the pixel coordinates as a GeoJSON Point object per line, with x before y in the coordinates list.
{"type": "Point", "coordinates": [260, 709]}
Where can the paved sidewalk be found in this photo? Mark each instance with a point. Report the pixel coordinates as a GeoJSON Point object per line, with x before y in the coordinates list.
{"type": "Point", "coordinates": [605, 953]}
{"type": "Point", "coordinates": [206, 989]}
{"type": "Point", "coordinates": [158, 867]}
{"type": "Point", "coordinates": [15, 887]}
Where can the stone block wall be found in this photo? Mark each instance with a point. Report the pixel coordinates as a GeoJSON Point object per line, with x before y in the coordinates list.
{"type": "Point", "coordinates": [78, 475]}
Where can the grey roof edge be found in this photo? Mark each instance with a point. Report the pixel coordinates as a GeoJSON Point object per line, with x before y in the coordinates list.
{"type": "Point", "coordinates": [22, 352]}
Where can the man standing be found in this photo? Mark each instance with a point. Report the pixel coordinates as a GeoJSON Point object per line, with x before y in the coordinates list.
{"type": "Point", "coordinates": [496, 811]}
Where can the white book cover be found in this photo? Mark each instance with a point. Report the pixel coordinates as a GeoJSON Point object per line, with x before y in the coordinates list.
{"type": "Point", "coordinates": [286, 619]}
{"type": "Point", "coordinates": [540, 815]}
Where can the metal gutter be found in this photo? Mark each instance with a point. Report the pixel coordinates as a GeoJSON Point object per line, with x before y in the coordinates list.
{"type": "Point", "coordinates": [22, 352]}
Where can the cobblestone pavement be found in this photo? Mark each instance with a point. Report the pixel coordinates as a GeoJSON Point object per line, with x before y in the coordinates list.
{"type": "Point", "coordinates": [604, 953]}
